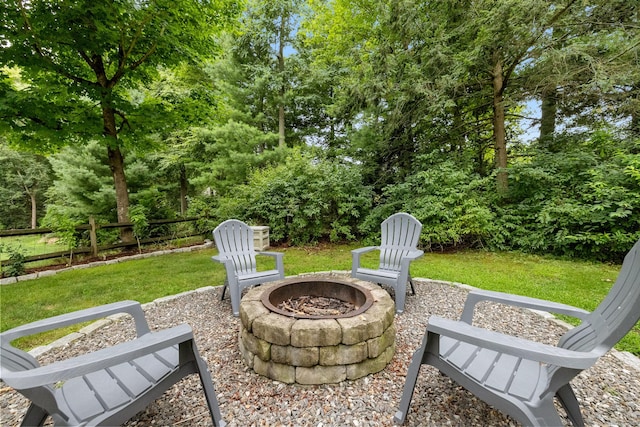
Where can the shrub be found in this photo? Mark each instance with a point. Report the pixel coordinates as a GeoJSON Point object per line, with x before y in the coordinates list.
{"type": "Point", "coordinates": [14, 265]}
{"type": "Point", "coordinates": [304, 200]}
{"type": "Point", "coordinates": [582, 202]}
{"type": "Point", "coordinates": [452, 203]}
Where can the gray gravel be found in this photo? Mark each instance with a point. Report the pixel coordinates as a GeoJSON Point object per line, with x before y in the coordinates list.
{"type": "Point", "coordinates": [608, 392]}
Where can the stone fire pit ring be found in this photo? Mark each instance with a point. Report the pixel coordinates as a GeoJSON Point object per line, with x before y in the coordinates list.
{"type": "Point", "coordinates": [318, 350]}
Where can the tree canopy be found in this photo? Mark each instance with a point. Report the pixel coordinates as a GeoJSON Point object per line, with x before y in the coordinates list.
{"type": "Point", "coordinates": [79, 61]}
{"type": "Point", "coordinates": [321, 117]}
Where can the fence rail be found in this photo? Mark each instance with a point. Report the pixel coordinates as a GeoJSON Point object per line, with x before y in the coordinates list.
{"type": "Point", "coordinates": [94, 248]}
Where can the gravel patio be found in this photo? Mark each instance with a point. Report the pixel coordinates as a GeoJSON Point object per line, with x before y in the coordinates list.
{"type": "Point", "coordinates": [608, 392]}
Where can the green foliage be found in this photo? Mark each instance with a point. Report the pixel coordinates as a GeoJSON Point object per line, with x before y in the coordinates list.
{"type": "Point", "coordinates": [304, 200]}
{"type": "Point", "coordinates": [398, 95]}
{"type": "Point", "coordinates": [14, 264]}
{"type": "Point", "coordinates": [453, 205]}
{"type": "Point", "coordinates": [203, 208]}
{"type": "Point", "coordinates": [83, 186]}
{"type": "Point", "coordinates": [581, 202]}
{"type": "Point", "coordinates": [84, 52]}
{"type": "Point", "coordinates": [24, 178]}
{"type": "Point", "coordinates": [230, 152]}
{"type": "Point", "coordinates": [82, 65]}
{"type": "Point", "coordinates": [138, 217]}
{"type": "Point", "coordinates": [64, 228]}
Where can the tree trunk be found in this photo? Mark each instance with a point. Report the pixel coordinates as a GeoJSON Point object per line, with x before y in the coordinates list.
{"type": "Point", "coordinates": [281, 42]}
{"type": "Point", "coordinates": [281, 140]}
{"type": "Point", "coordinates": [116, 164]}
{"type": "Point", "coordinates": [499, 135]}
{"type": "Point", "coordinates": [34, 210]}
{"type": "Point", "coordinates": [548, 109]}
{"type": "Point", "coordinates": [183, 190]}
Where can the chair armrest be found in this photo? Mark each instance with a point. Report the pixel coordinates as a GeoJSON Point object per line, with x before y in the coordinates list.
{"type": "Point", "coordinates": [101, 359]}
{"type": "Point", "coordinates": [355, 257]}
{"type": "Point", "coordinates": [131, 307]}
{"type": "Point", "coordinates": [275, 255]}
{"type": "Point", "coordinates": [360, 251]}
{"type": "Point", "coordinates": [226, 262]}
{"type": "Point", "coordinates": [220, 259]}
{"type": "Point", "coordinates": [478, 295]}
{"type": "Point", "coordinates": [508, 344]}
{"type": "Point", "coordinates": [278, 258]}
{"type": "Point", "coordinates": [413, 255]}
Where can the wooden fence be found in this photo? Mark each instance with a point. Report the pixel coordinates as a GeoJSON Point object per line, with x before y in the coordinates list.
{"type": "Point", "coordinates": [94, 248]}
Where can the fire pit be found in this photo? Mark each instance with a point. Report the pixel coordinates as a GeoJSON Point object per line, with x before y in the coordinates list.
{"type": "Point", "coordinates": [317, 299]}
{"type": "Point", "coordinates": [317, 329]}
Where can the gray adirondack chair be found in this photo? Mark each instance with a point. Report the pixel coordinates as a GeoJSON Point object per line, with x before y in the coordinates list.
{"type": "Point", "coordinates": [108, 386]}
{"type": "Point", "coordinates": [522, 377]}
{"type": "Point", "coordinates": [236, 251]}
{"type": "Point", "coordinates": [398, 247]}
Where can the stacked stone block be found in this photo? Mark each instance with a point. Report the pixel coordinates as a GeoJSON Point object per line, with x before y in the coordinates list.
{"type": "Point", "coordinates": [317, 351]}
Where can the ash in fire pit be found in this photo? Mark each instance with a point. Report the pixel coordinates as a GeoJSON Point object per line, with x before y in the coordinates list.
{"type": "Point", "coordinates": [317, 306]}
{"type": "Point", "coordinates": [317, 299]}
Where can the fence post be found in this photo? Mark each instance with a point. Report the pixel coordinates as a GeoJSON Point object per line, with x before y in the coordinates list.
{"type": "Point", "coordinates": [93, 236]}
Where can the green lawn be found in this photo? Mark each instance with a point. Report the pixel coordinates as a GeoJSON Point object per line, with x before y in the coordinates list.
{"type": "Point", "coordinates": [33, 244]}
{"type": "Point", "coordinates": [581, 284]}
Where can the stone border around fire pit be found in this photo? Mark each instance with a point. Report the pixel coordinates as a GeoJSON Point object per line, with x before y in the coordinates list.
{"type": "Point", "coordinates": [317, 351]}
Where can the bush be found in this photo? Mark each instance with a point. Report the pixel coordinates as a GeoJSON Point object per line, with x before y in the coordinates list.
{"type": "Point", "coordinates": [452, 203]}
{"type": "Point", "coordinates": [14, 265]}
{"type": "Point", "coordinates": [583, 202]}
{"type": "Point", "coordinates": [204, 208]}
{"type": "Point", "coordinates": [305, 200]}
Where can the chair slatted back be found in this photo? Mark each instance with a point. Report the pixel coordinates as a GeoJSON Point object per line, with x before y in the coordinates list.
{"type": "Point", "coordinates": [616, 314]}
{"type": "Point", "coordinates": [400, 235]}
{"type": "Point", "coordinates": [234, 240]}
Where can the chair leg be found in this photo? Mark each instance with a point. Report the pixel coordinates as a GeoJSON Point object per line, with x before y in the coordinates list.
{"type": "Point", "coordinates": [235, 294]}
{"type": "Point", "coordinates": [413, 290]}
{"type": "Point", "coordinates": [567, 398]}
{"type": "Point", "coordinates": [209, 392]}
{"type": "Point", "coordinates": [35, 416]}
{"type": "Point", "coordinates": [410, 383]}
{"type": "Point", "coordinates": [224, 288]}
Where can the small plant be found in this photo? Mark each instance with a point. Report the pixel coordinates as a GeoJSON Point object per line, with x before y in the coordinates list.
{"type": "Point", "coordinates": [16, 261]}
{"type": "Point", "coordinates": [64, 228]}
{"type": "Point", "coordinates": [140, 223]}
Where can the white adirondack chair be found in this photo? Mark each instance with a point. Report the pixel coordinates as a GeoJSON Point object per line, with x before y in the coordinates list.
{"type": "Point", "coordinates": [522, 377]}
{"type": "Point", "coordinates": [234, 240]}
{"type": "Point", "coordinates": [399, 246]}
{"type": "Point", "coordinates": [109, 386]}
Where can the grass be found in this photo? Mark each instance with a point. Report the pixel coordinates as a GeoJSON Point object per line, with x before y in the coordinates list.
{"type": "Point", "coordinates": [577, 283]}
{"type": "Point", "coordinates": [32, 244]}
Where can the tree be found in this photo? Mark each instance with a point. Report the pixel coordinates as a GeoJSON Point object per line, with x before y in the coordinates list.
{"type": "Point", "coordinates": [354, 48]}
{"type": "Point", "coordinates": [79, 59]}
{"type": "Point", "coordinates": [587, 69]}
{"type": "Point", "coordinates": [24, 177]}
{"type": "Point", "coordinates": [188, 101]}
{"type": "Point", "coordinates": [269, 30]}
{"type": "Point", "coordinates": [506, 34]}
{"type": "Point", "coordinates": [82, 186]}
